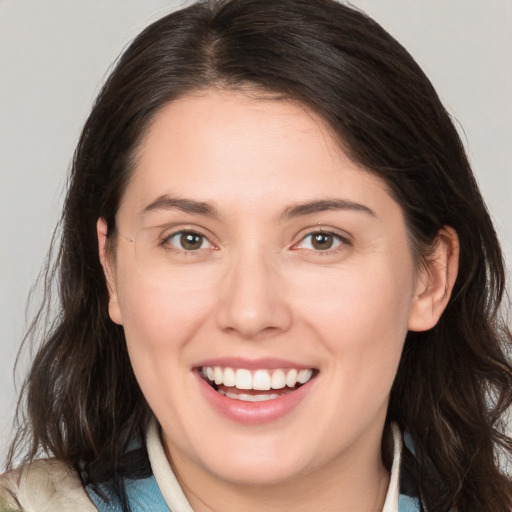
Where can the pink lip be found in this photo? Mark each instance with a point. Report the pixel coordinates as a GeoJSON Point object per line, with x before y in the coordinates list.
{"type": "Point", "coordinates": [252, 413]}
{"type": "Point", "coordinates": [252, 364]}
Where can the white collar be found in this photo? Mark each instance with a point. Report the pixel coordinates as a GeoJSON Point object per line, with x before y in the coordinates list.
{"type": "Point", "coordinates": [391, 502]}
{"type": "Point", "coordinates": [163, 473]}
{"type": "Point", "coordinates": [177, 501]}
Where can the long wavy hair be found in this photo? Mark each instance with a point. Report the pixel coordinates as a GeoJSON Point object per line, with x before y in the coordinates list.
{"type": "Point", "coordinates": [81, 402]}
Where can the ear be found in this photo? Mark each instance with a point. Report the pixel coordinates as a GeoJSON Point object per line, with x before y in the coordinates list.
{"type": "Point", "coordinates": [107, 263]}
{"type": "Point", "coordinates": [435, 282]}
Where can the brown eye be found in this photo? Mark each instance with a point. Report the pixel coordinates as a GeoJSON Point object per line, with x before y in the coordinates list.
{"type": "Point", "coordinates": [191, 241]}
{"type": "Point", "coordinates": [322, 241]}
{"type": "Point", "coordinates": [187, 241]}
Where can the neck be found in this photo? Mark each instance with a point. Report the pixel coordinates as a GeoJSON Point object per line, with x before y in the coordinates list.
{"type": "Point", "coordinates": [350, 495]}
{"type": "Point", "coordinates": [356, 482]}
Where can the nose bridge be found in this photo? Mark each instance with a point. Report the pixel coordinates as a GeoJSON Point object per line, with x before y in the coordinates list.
{"type": "Point", "coordinates": [253, 302]}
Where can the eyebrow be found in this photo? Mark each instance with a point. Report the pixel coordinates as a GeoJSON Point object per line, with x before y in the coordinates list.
{"type": "Point", "coordinates": [312, 207]}
{"type": "Point", "coordinates": [166, 202]}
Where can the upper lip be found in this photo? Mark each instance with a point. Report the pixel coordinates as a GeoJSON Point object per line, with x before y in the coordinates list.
{"type": "Point", "coordinates": [252, 364]}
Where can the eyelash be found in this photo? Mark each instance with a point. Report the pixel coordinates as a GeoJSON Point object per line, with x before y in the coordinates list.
{"type": "Point", "coordinates": [165, 241]}
{"type": "Point", "coordinates": [339, 240]}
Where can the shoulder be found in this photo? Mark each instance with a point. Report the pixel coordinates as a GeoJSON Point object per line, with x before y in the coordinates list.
{"type": "Point", "coordinates": [46, 484]}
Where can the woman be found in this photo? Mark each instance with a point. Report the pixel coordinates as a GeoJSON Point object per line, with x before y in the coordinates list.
{"type": "Point", "coordinates": [280, 286]}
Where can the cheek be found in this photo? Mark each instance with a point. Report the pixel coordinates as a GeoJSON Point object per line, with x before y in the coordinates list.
{"type": "Point", "coordinates": [358, 317]}
{"type": "Point", "coordinates": [159, 307]}
{"type": "Point", "coordinates": [159, 315]}
{"type": "Point", "coordinates": [362, 315]}
{"type": "Point", "coordinates": [159, 320]}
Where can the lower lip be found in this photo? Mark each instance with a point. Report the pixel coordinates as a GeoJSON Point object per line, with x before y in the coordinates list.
{"type": "Point", "coordinates": [254, 413]}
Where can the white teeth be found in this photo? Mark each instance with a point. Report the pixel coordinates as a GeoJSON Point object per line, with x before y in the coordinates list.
{"type": "Point", "coordinates": [278, 380]}
{"type": "Point", "coordinates": [262, 380]}
{"type": "Point", "coordinates": [291, 378]}
{"type": "Point", "coordinates": [229, 378]}
{"type": "Point", "coordinates": [218, 375]}
{"type": "Point", "coordinates": [243, 379]}
{"type": "Point", "coordinates": [249, 398]}
{"type": "Point", "coordinates": [304, 376]}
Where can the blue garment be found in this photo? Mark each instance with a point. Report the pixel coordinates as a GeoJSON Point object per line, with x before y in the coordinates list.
{"type": "Point", "coordinates": [144, 495]}
{"type": "Point", "coordinates": [408, 504]}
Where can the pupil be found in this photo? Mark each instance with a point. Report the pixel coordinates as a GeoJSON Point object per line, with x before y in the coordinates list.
{"type": "Point", "coordinates": [322, 241]}
{"type": "Point", "coordinates": [191, 241]}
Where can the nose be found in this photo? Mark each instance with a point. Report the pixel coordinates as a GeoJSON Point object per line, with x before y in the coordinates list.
{"type": "Point", "coordinates": [252, 302]}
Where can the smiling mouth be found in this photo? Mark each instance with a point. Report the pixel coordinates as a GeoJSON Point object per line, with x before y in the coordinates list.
{"type": "Point", "coordinates": [258, 385]}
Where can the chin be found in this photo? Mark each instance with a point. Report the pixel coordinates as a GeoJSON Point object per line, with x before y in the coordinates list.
{"type": "Point", "coordinates": [258, 466]}
{"type": "Point", "coordinates": [261, 474]}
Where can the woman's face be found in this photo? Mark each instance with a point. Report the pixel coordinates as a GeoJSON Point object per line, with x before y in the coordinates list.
{"type": "Point", "coordinates": [253, 252]}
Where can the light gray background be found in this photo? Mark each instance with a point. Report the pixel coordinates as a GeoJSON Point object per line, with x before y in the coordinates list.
{"type": "Point", "coordinates": [54, 55]}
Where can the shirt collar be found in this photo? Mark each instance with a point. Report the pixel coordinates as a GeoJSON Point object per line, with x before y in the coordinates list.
{"type": "Point", "coordinates": [177, 501]}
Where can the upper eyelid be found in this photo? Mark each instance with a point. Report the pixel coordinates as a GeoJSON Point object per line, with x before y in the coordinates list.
{"type": "Point", "coordinates": [342, 235]}
{"type": "Point", "coordinates": [338, 237]}
{"type": "Point", "coordinates": [167, 231]}
{"type": "Point", "coordinates": [183, 250]}
{"type": "Point", "coordinates": [172, 234]}
{"type": "Point", "coordinates": [345, 242]}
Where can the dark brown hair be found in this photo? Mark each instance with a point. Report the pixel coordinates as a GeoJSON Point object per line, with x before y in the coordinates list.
{"type": "Point", "coordinates": [81, 401]}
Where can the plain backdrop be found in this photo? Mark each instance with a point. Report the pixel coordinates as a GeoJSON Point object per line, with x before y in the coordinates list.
{"type": "Point", "coordinates": [54, 55]}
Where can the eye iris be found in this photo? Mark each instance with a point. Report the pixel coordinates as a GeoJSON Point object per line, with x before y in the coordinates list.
{"type": "Point", "coordinates": [322, 241]}
{"type": "Point", "coordinates": [191, 241]}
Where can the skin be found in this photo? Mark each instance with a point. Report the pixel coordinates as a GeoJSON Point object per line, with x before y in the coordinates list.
{"type": "Point", "coordinates": [258, 288]}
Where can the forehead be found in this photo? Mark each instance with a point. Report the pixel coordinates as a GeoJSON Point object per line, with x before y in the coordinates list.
{"type": "Point", "coordinates": [232, 123]}
{"type": "Point", "coordinates": [228, 148]}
